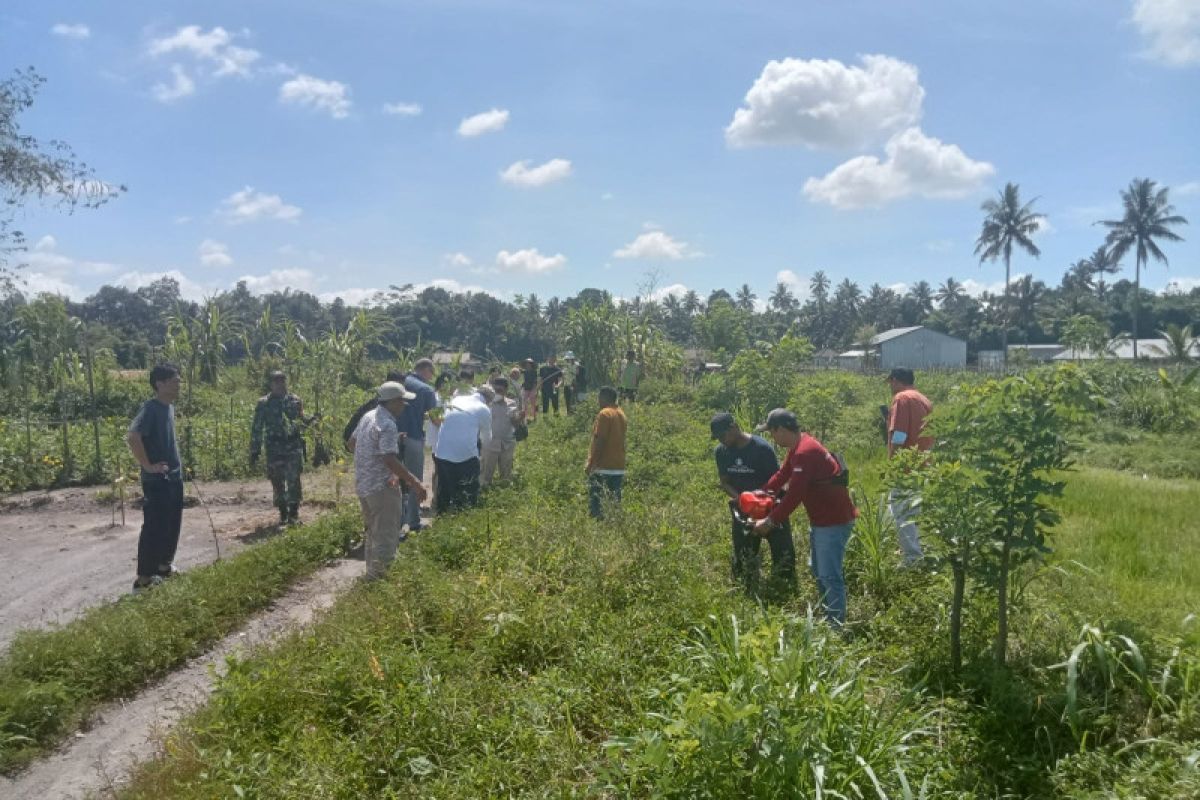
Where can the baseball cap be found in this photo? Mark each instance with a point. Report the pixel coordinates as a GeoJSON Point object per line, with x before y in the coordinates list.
{"type": "Point", "coordinates": [392, 391]}
{"type": "Point", "coordinates": [721, 423]}
{"type": "Point", "coordinates": [780, 418]}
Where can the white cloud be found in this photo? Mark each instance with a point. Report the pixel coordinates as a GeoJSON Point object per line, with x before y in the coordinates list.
{"type": "Point", "coordinates": [487, 122]}
{"type": "Point", "coordinates": [402, 109]}
{"type": "Point", "coordinates": [1187, 189]}
{"type": "Point", "coordinates": [322, 95]}
{"type": "Point", "coordinates": [529, 261]}
{"type": "Point", "coordinates": [68, 31]}
{"type": "Point", "coordinates": [457, 259]}
{"type": "Point", "coordinates": [827, 103]}
{"type": "Point", "coordinates": [940, 245]}
{"type": "Point", "coordinates": [214, 47]}
{"type": "Point", "coordinates": [673, 290]}
{"type": "Point", "coordinates": [365, 296]}
{"type": "Point", "coordinates": [188, 288]}
{"type": "Point", "coordinates": [976, 288]}
{"type": "Point", "coordinates": [32, 284]}
{"type": "Point", "coordinates": [916, 164]}
{"type": "Point", "coordinates": [278, 280]}
{"type": "Point", "coordinates": [1182, 285]}
{"type": "Point", "coordinates": [181, 86]}
{"type": "Point", "coordinates": [657, 245]}
{"type": "Point", "coordinates": [1043, 226]}
{"type": "Point", "coordinates": [1171, 29]}
{"type": "Point", "coordinates": [797, 283]}
{"type": "Point", "coordinates": [521, 174]}
{"type": "Point", "coordinates": [214, 254]}
{"type": "Point", "coordinates": [46, 260]}
{"type": "Point", "coordinates": [249, 205]}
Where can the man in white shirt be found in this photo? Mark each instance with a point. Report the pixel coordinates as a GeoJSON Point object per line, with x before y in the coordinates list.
{"type": "Point", "coordinates": [378, 473]}
{"type": "Point", "coordinates": [466, 426]}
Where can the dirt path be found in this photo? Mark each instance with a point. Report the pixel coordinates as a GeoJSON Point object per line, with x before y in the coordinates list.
{"type": "Point", "coordinates": [60, 553]}
{"type": "Point", "coordinates": [97, 761]}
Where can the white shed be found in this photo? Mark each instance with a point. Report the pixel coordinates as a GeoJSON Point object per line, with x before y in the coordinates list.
{"type": "Point", "coordinates": [918, 347]}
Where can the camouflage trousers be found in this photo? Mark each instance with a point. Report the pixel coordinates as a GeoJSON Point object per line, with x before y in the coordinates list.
{"type": "Point", "coordinates": [284, 474]}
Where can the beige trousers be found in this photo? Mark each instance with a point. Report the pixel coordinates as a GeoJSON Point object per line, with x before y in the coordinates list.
{"type": "Point", "coordinates": [497, 454]}
{"type": "Point", "coordinates": [383, 514]}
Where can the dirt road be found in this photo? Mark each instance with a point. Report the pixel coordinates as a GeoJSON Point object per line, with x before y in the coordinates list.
{"type": "Point", "coordinates": [60, 553]}
{"type": "Point", "coordinates": [96, 762]}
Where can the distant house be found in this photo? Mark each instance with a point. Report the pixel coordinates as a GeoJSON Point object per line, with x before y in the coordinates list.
{"type": "Point", "coordinates": [1040, 353]}
{"type": "Point", "coordinates": [826, 358]}
{"type": "Point", "coordinates": [1122, 349]}
{"type": "Point", "coordinates": [445, 359]}
{"type": "Point", "coordinates": [917, 347]}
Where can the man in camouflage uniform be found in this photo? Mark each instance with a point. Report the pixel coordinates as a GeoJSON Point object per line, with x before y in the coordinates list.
{"type": "Point", "coordinates": [279, 419]}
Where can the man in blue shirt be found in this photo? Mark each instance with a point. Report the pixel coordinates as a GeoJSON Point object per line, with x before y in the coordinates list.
{"type": "Point", "coordinates": [151, 440]}
{"type": "Point", "coordinates": [411, 423]}
{"type": "Point", "coordinates": [744, 464]}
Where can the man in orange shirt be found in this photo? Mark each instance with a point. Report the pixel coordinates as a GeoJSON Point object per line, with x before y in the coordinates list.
{"type": "Point", "coordinates": [906, 427]}
{"type": "Point", "coordinates": [605, 466]}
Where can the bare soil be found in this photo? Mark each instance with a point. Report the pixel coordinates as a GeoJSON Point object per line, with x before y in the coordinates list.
{"type": "Point", "coordinates": [61, 553]}
{"type": "Point", "coordinates": [97, 762]}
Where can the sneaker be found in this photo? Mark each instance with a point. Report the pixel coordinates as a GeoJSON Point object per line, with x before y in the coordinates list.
{"type": "Point", "coordinates": [139, 587]}
{"type": "Point", "coordinates": [170, 572]}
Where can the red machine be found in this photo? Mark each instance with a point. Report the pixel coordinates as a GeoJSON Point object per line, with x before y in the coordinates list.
{"type": "Point", "coordinates": [756, 505]}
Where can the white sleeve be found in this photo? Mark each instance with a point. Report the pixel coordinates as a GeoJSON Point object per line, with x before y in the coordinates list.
{"type": "Point", "coordinates": [485, 425]}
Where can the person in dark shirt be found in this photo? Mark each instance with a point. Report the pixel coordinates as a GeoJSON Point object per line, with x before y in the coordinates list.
{"type": "Point", "coordinates": [352, 425]}
{"type": "Point", "coordinates": [529, 388]}
{"type": "Point", "coordinates": [744, 464]}
{"type": "Point", "coordinates": [152, 442]}
{"type": "Point", "coordinates": [550, 377]}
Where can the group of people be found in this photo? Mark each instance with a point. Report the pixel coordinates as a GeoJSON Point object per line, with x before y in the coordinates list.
{"type": "Point", "coordinates": [472, 431]}
{"type": "Point", "coordinates": [818, 479]}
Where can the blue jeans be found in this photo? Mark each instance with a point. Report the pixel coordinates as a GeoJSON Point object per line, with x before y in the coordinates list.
{"type": "Point", "coordinates": [828, 548]}
{"type": "Point", "coordinates": [903, 508]}
{"type": "Point", "coordinates": [603, 491]}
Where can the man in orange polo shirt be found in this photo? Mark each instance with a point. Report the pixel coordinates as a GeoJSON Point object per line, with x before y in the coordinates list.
{"type": "Point", "coordinates": [906, 429]}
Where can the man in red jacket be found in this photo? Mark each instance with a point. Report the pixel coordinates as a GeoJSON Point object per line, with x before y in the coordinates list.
{"type": "Point", "coordinates": [814, 478]}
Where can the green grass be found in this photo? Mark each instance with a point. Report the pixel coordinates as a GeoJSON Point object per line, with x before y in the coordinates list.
{"type": "Point", "coordinates": [50, 680]}
{"type": "Point", "coordinates": [524, 650]}
{"type": "Point", "coordinates": [1131, 546]}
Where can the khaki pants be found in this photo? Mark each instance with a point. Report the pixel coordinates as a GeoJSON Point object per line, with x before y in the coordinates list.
{"type": "Point", "coordinates": [382, 512]}
{"type": "Point", "coordinates": [497, 454]}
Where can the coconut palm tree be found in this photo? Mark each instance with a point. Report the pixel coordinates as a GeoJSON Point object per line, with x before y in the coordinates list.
{"type": "Point", "coordinates": [1101, 263]}
{"type": "Point", "coordinates": [1007, 223]}
{"type": "Point", "coordinates": [922, 294]}
{"type": "Point", "coordinates": [949, 293]}
{"type": "Point", "coordinates": [1180, 342]}
{"type": "Point", "coordinates": [1148, 216]}
{"type": "Point", "coordinates": [746, 298]}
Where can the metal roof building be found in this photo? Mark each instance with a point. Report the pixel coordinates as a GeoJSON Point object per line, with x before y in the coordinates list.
{"type": "Point", "coordinates": [917, 347]}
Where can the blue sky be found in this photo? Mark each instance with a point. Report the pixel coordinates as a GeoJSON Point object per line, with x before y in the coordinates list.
{"type": "Point", "coordinates": [339, 147]}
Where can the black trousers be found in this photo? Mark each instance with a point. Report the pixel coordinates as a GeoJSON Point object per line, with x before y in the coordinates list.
{"type": "Point", "coordinates": [569, 397]}
{"type": "Point", "coordinates": [457, 484]}
{"type": "Point", "coordinates": [746, 558]}
{"type": "Point", "coordinates": [549, 398]}
{"type": "Point", "coordinates": [162, 517]}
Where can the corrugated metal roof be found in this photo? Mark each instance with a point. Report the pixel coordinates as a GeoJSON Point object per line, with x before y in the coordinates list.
{"type": "Point", "coordinates": [894, 333]}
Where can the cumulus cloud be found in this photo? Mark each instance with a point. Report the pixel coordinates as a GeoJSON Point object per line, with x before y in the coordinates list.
{"type": "Point", "coordinates": [521, 174]}
{"type": "Point", "coordinates": [827, 104]}
{"type": "Point", "coordinates": [487, 122]}
{"type": "Point", "coordinates": [249, 205]}
{"type": "Point", "coordinates": [214, 48]}
{"type": "Point", "coordinates": [656, 245]}
{"type": "Point", "coordinates": [278, 280]}
{"type": "Point", "coordinates": [916, 164]}
{"type": "Point", "coordinates": [371, 296]}
{"type": "Point", "coordinates": [402, 109]}
{"type": "Point", "coordinates": [796, 283]}
{"type": "Point", "coordinates": [976, 288]}
{"type": "Point", "coordinates": [68, 31]}
{"type": "Point", "coordinates": [50, 270]}
{"type": "Point", "coordinates": [457, 259]}
{"type": "Point", "coordinates": [1171, 29]}
{"type": "Point", "coordinates": [1182, 285]}
{"type": "Point", "coordinates": [180, 86]}
{"type": "Point", "coordinates": [1187, 189]}
{"type": "Point", "coordinates": [332, 97]}
{"type": "Point", "coordinates": [529, 261]}
{"type": "Point", "coordinates": [188, 288]}
{"type": "Point", "coordinates": [214, 254]}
